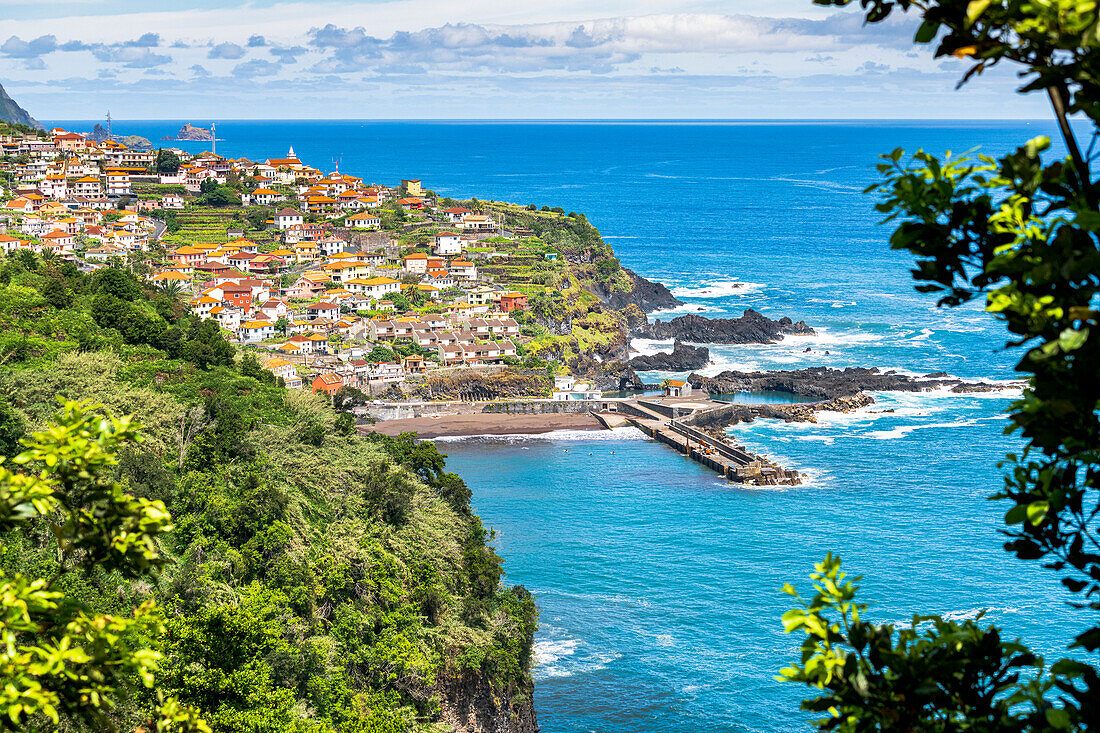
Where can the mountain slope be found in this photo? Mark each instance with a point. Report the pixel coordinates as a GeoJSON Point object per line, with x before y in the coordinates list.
{"type": "Point", "coordinates": [10, 111]}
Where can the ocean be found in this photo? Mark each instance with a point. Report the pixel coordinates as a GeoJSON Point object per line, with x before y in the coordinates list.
{"type": "Point", "coordinates": [657, 583]}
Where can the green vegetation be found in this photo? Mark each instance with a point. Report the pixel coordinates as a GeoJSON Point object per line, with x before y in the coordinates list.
{"type": "Point", "coordinates": [1025, 233]}
{"type": "Point", "coordinates": [298, 577]}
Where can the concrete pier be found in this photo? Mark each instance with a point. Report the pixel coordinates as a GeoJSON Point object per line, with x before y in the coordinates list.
{"type": "Point", "coordinates": [660, 419]}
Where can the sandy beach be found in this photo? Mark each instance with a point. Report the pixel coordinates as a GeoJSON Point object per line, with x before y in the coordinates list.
{"type": "Point", "coordinates": [484, 424]}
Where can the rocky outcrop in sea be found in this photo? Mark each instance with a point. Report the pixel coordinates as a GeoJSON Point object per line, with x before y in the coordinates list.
{"type": "Point", "coordinates": [192, 133]}
{"type": "Point", "coordinates": [751, 328]}
{"type": "Point", "coordinates": [682, 358]}
{"type": "Point", "coordinates": [826, 384]}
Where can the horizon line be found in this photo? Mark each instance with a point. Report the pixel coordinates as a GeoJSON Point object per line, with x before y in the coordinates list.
{"type": "Point", "coordinates": [663, 120]}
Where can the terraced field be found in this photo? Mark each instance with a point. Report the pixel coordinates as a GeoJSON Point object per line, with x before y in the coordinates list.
{"type": "Point", "coordinates": [213, 225]}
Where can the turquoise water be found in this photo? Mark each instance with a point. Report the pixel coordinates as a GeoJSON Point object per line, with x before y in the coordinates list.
{"type": "Point", "coordinates": [657, 583]}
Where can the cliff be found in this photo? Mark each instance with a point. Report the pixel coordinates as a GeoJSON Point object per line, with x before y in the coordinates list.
{"type": "Point", "coordinates": [649, 296]}
{"type": "Point", "coordinates": [471, 704]}
{"type": "Point", "coordinates": [10, 111]}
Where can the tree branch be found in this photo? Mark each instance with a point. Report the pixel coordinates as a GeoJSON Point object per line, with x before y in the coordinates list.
{"type": "Point", "coordinates": [1081, 166]}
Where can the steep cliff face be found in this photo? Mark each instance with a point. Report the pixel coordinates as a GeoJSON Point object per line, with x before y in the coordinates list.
{"type": "Point", "coordinates": [470, 704]}
{"type": "Point", "coordinates": [647, 295]}
{"type": "Point", "coordinates": [10, 111]}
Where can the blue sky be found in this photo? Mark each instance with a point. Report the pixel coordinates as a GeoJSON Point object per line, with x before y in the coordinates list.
{"type": "Point", "coordinates": [495, 59]}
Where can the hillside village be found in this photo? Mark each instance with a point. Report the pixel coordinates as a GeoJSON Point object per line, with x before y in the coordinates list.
{"type": "Point", "coordinates": [334, 281]}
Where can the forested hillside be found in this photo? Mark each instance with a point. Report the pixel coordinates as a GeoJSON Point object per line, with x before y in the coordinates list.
{"type": "Point", "coordinates": [317, 580]}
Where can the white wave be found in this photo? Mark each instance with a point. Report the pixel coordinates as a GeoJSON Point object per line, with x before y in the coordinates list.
{"type": "Point", "coordinates": [685, 308]}
{"type": "Point", "coordinates": [575, 436]}
{"type": "Point", "coordinates": [548, 652]}
{"type": "Point", "coordinates": [969, 614]}
{"type": "Point", "coordinates": [650, 346]}
{"type": "Point", "coordinates": [719, 289]}
{"type": "Point", "coordinates": [560, 658]}
{"type": "Point", "coordinates": [826, 337]}
{"type": "Point", "coordinates": [903, 430]}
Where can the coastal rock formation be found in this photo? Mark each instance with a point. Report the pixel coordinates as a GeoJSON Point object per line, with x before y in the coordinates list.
{"type": "Point", "coordinates": [825, 383]}
{"type": "Point", "coordinates": [190, 132]}
{"type": "Point", "coordinates": [751, 328]}
{"type": "Point", "coordinates": [474, 385]}
{"type": "Point", "coordinates": [682, 358]}
{"type": "Point", "coordinates": [649, 296]}
{"type": "Point", "coordinates": [609, 375]}
{"type": "Point", "coordinates": [472, 705]}
{"type": "Point", "coordinates": [99, 134]}
{"type": "Point", "coordinates": [10, 111]}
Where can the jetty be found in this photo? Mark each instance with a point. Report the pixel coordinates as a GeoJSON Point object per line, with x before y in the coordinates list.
{"type": "Point", "coordinates": [668, 420]}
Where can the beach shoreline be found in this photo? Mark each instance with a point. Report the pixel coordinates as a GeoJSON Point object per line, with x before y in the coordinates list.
{"type": "Point", "coordinates": [485, 423]}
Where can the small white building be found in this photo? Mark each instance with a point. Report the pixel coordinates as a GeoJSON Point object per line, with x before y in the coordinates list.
{"type": "Point", "coordinates": [568, 389]}
{"type": "Point", "coordinates": [447, 244]}
{"type": "Point", "coordinates": [287, 218]}
{"type": "Point", "coordinates": [676, 388]}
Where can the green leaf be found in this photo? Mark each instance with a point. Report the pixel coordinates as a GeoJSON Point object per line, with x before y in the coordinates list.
{"type": "Point", "coordinates": [1058, 718]}
{"type": "Point", "coordinates": [975, 9]}
{"type": "Point", "coordinates": [1037, 512]}
{"type": "Point", "coordinates": [926, 32]}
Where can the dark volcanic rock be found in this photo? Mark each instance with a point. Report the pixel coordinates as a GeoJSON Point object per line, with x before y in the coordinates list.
{"type": "Point", "coordinates": [610, 375]}
{"type": "Point", "coordinates": [750, 328]}
{"type": "Point", "coordinates": [646, 294]}
{"type": "Point", "coordinates": [190, 132]}
{"type": "Point", "coordinates": [826, 384]}
{"type": "Point", "coordinates": [473, 704]}
{"type": "Point", "coordinates": [681, 359]}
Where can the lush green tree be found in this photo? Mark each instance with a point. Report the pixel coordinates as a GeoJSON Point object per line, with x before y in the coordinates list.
{"type": "Point", "coordinates": [1024, 232]}
{"type": "Point", "coordinates": [57, 293]}
{"type": "Point", "coordinates": [116, 281]}
{"type": "Point", "coordinates": [257, 217]}
{"type": "Point", "coordinates": [12, 430]}
{"type": "Point", "coordinates": [281, 324]}
{"type": "Point", "coordinates": [347, 398]}
{"type": "Point", "coordinates": [219, 196]}
{"type": "Point", "coordinates": [400, 302]}
{"type": "Point", "coordinates": [61, 662]}
{"type": "Point", "coordinates": [167, 162]}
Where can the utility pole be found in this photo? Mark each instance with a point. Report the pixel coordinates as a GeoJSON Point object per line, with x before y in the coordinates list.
{"type": "Point", "coordinates": [214, 136]}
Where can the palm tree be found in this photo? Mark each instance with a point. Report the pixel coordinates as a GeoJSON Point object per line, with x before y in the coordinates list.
{"type": "Point", "coordinates": [170, 289]}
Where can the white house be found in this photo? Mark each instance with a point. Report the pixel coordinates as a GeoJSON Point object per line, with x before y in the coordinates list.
{"type": "Point", "coordinates": [568, 389]}
{"type": "Point", "coordinates": [364, 220]}
{"type": "Point", "coordinates": [264, 197]}
{"type": "Point", "coordinates": [253, 331]}
{"type": "Point", "coordinates": [447, 244]}
{"type": "Point", "coordinates": [287, 218]}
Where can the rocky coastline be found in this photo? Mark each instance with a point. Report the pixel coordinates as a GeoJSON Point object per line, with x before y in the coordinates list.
{"type": "Point", "coordinates": [682, 358]}
{"type": "Point", "coordinates": [825, 383]}
{"type": "Point", "coordinates": [751, 328]}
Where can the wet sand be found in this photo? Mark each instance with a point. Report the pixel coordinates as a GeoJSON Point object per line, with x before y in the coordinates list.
{"type": "Point", "coordinates": [484, 424]}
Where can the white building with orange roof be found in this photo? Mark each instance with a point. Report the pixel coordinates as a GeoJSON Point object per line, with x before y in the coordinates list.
{"type": "Point", "coordinates": [416, 263]}
{"type": "Point", "coordinates": [89, 186]}
{"type": "Point", "coordinates": [58, 241]}
{"type": "Point", "coordinates": [284, 370]}
{"type": "Point", "coordinates": [262, 197]}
